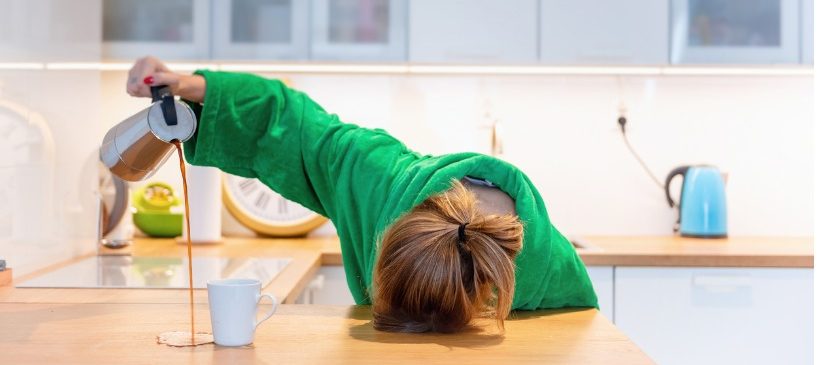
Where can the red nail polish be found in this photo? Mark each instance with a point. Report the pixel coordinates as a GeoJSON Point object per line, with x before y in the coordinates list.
{"type": "Point", "coordinates": [148, 80]}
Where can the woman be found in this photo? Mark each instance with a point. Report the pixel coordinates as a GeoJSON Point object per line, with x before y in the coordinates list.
{"type": "Point", "coordinates": [430, 241]}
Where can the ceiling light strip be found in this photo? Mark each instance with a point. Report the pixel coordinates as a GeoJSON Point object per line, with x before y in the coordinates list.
{"type": "Point", "coordinates": [21, 66]}
{"type": "Point", "coordinates": [532, 70]}
{"type": "Point", "coordinates": [414, 69]}
{"type": "Point", "coordinates": [73, 66]}
{"type": "Point", "coordinates": [316, 68]}
{"type": "Point", "coordinates": [738, 71]}
{"type": "Point", "coordinates": [188, 67]}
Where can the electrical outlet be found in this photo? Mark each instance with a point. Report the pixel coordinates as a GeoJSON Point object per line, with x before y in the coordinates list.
{"type": "Point", "coordinates": [622, 123]}
{"type": "Point", "coordinates": [622, 117]}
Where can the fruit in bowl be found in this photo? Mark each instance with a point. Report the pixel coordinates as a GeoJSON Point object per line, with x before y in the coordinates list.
{"type": "Point", "coordinates": [153, 210]}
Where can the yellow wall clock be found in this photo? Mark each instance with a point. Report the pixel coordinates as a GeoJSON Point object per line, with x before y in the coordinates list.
{"type": "Point", "coordinates": [264, 211]}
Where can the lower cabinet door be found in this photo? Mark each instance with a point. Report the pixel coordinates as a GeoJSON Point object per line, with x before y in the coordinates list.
{"type": "Point", "coordinates": [329, 286]}
{"type": "Point", "coordinates": [717, 315]}
{"type": "Point", "coordinates": [603, 283]}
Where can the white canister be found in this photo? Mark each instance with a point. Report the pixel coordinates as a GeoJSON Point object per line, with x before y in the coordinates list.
{"type": "Point", "coordinates": [205, 202]}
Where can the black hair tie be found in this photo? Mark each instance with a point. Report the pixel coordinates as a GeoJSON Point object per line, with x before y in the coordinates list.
{"type": "Point", "coordinates": [462, 238]}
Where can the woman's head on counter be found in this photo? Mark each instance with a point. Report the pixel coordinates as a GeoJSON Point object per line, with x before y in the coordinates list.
{"type": "Point", "coordinates": [444, 263]}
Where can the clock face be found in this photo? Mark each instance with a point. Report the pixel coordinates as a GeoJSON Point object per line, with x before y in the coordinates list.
{"type": "Point", "coordinates": [265, 211]}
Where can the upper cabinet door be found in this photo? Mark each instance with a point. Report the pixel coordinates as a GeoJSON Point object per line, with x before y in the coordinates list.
{"type": "Point", "coordinates": [50, 30]}
{"type": "Point", "coordinates": [169, 29]}
{"type": "Point", "coordinates": [604, 32]}
{"type": "Point", "coordinates": [260, 29]}
{"type": "Point", "coordinates": [474, 31]}
{"type": "Point", "coordinates": [359, 30]}
{"type": "Point", "coordinates": [807, 31]}
{"type": "Point", "coordinates": [13, 32]}
{"type": "Point", "coordinates": [735, 31]}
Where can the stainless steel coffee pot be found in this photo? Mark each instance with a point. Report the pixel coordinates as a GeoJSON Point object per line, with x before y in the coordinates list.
{"type": "Point", "coordinates": [135, 148]}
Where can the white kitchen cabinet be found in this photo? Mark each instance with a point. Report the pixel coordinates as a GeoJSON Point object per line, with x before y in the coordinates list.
{"type": "Point", "coordinates": [50, 31]}
{"type": "Point", "coordinates": [807, 31]}
{"type": "Point", "coordinates": [603, 281]}
{"type": "Point", "coordinates": [717, 315]}
{"type": "Point", "coordinates": [329, 286]}
{"type": "Point", "coordinates": [735, 32]}
{"type": "Point", "coordinates": [473, 31]}
{"type": "Point", "coordinates": [604, 32]}
{"type": "Point", "coordinates": [260, 29]}
{"type": "Point", "coordinates": [168, 29]}
{"type": "Point", "coordinates": [13, 31]}
{"type": "Point", "coordinates": [358, 30]}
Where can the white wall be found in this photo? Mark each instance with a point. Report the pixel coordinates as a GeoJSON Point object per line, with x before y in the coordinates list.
{"type": "Point", "coordinates": [49, 129]}
{"type": "Point", "coordinates": [562, 131]}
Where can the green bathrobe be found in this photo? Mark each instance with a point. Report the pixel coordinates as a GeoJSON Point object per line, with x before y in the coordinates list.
{"type": "Point", "coordinates": [364, 179]}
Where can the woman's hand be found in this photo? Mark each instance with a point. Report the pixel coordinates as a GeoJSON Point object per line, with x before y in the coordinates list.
{"type": "Point", "coordinates": [149, 71]}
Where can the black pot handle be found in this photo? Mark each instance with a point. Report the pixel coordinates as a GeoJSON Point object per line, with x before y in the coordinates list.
{"type": "Point", "coordinates": [677, 171]}
{"type": "Point", "coordinates": [169, 111]}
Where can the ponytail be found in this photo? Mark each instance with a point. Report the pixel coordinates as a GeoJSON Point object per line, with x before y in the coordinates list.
{"type": "Point", "coordinates": [445, 262]}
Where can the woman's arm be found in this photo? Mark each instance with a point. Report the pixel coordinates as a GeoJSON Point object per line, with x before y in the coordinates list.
{"type": "Point", "coordinates": [260, 128]}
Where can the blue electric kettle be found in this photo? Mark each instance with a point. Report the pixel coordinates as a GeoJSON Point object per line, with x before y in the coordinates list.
{"type": "Point", "coordinates": [702, 207]}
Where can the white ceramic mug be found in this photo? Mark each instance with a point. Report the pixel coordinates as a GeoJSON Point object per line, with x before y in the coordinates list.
{"type": "Point", "coordinates": [233, 304]}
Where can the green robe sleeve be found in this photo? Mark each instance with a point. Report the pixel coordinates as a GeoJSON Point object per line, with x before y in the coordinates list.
{"type": "Point", "coordinates": [259, 128]}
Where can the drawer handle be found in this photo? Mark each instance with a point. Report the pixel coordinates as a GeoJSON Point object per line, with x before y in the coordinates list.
{"type": "Point", "coordinates": [725, 282]}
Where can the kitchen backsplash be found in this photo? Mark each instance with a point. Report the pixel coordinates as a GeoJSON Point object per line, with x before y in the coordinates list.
{"type": "Point", "coordinates": [50, 126]}
{"type": "Point", "coordinates": [561, 130]}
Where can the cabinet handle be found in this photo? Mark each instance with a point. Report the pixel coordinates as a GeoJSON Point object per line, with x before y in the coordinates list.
{"type": "Point", "coordinates": [317, 284]}
{"type": "Point", "coordinates": [721, 281]}
{"type": "Point", "coordinates": [476, 56]}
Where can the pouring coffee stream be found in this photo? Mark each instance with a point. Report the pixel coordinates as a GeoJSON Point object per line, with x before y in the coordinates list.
{"type": "Point", "coordinates": [135, 148]}
{"type": "Point", "coordinates": [178, 146]}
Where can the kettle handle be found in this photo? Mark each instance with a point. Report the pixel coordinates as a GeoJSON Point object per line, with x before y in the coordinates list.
{"type": "Point", "coordinates": [675, 172]}
{"type": "Point", "coordinates": [163, 93]}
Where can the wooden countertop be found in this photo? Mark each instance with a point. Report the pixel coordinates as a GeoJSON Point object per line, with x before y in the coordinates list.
{"type": "Point", "coordinates": [74, 325]}
{"type": "Point", "coordinates": [300, 334]}
{"type": "Point", "coordinates": [676, 251]}
{"type": "Point", "coordinates": [88, 326]}
{"type": "Point", "coordinates": [680, 251]}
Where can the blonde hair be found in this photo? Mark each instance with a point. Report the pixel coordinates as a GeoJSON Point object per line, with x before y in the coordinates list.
{"type": "Point", "coordinates": [443, 263]}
